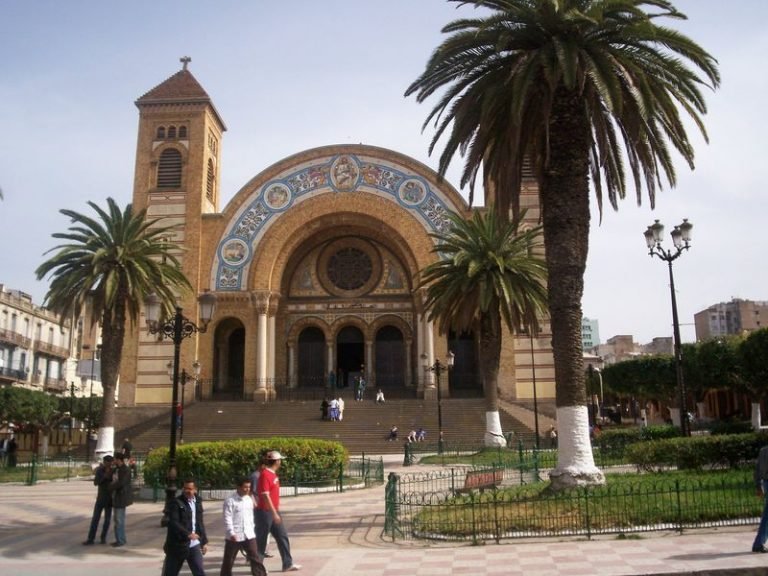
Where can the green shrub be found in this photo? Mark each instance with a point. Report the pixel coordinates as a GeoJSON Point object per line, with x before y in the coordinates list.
{"type": "Point", "coordinates": [697, 452]}
{"type": "Point", "coordinates": [220, 464]}
{"type": "Point", "coordinates": [719, 427]}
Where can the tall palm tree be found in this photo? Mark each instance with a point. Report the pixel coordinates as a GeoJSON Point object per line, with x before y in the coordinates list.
{"type": "Point", "coordinates": [487, 277]}
{"type": "Point", "coordinates": [110, 264]}
{"type": "Point", "coordinates": [561, 84]}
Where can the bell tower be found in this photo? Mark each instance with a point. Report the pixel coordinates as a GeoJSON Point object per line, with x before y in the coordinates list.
{"type": "Point", "coordinates": [176, 179]}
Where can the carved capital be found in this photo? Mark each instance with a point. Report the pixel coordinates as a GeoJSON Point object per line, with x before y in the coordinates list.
{"type": "Point", "coordinates": [260, 301]}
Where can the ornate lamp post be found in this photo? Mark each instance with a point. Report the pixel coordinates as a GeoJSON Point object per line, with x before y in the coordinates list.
{"type": "Point", "coordinates": [438, 368]}
{"type": "Point", "coordinates": [71, 412]}
{"type": "Point", "coordinates": [681, 237]}
{"type": "Point", "coordinates": [176, 329]}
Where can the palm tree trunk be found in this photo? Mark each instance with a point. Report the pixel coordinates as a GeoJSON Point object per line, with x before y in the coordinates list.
{"type": "Point", "coordinates": [112, 336]}
{"type": "Point", "coordinates": [490, 355]}
{"type": "Point", "coordinates": [565, 206]}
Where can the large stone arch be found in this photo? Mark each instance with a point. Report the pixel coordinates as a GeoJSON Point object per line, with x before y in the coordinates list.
{"type": "Point", "coordinates": [296, 193]}
{"type": "Point", "coordinates": [392, 320]}
{"type": "Point", "coordinates": [308, 322]}
{"type": "Point", "coordinates": [350, 320]}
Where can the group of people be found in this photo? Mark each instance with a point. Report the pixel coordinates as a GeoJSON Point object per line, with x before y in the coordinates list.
{"type": "Point", "coordinates": [332, 409]}
{"type": "Point", "coordinates": [418, 435]}
{"type": "Point", "coordinates": [251, 515]}
{"type": "Point", "coordinates": [114, 494]}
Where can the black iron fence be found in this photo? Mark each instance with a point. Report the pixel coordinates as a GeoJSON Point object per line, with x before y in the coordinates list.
{"type": "Point", "coordinates": [430, 506]}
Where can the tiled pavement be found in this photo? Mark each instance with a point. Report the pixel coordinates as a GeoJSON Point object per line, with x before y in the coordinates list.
{"type": "Point", "coordinates": [41, 528]}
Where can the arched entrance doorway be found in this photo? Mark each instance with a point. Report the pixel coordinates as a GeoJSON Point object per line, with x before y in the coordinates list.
{"type": "Point", "coordinates": [229, 359]}
{"type": "Point", "coordinates": [311, 369]}
{"type": "Point", "coordinates": [390, 358]}
{"type": "Point", "coordinates": [350, 355]}
{"type": "Point", "coordinates": [464, 380]}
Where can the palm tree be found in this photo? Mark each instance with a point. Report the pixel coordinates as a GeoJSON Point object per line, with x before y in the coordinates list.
{"type": "Point", "coordinates": [558, 85]}
{"type": "Point", "coordinates": [486, 274]}
{"type": "Point", "coordinates": [110, 264]}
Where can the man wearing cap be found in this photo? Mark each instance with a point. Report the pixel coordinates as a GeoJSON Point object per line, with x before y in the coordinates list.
{"type": "Point", "coordinates": [268, 516]}
{"type": "Point", "coordinates": [102, 478]}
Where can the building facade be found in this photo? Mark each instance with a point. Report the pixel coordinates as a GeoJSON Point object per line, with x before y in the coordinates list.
{"type": "Point", "coordinates": [590, 333]}
{"type": "Point", "coordinates": [314, 264]}
{"type": "Point", "coordinates": [735, 317]}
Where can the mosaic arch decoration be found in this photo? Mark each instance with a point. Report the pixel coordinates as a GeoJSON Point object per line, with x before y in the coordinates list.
{"type": "Point", "coordinates": [333, 174]}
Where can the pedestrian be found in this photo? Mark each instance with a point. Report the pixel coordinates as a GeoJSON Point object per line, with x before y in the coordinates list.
{"type": "Point", "coordinates": [254, 483]}
{"type": "Point", "coordinates": [240, 532]}
{"type": "Point", "coordinates": [379, 397]}
{"type": "Point", "coordinates": [11, 449]}
{"type": "Point", "coordinates": [102, 478]}
{"type": "Point", "coordinates": [324, 409]}
{"type": "Point", "coordinates": [186, 539]}
{"type": "Point", "coordinates": [360, 389]}
{"type": "Point", "coordinates": [122, 497]}
{"type": "Point", "coordinates": [126, 449]}
{"type": "Point", "coordinates": [268, 512]}
{"type": "Point", "coordinates": [3, 450]}
{"type": "Point", "coordinates": [333, 410]}
{"type": "Point", "coordinates": [552, 437]}
{"type": "Point", "coordinates": [392, 434]}
{"type": "Point", "coordinates": [761, 486]}
{"type": "Point", "coordinates": [340, 405]}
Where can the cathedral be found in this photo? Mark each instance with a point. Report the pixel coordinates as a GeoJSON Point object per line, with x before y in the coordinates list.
{"type": "Point", "coordinates": [314, 264]}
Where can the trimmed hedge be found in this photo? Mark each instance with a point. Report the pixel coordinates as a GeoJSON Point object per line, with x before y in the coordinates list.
{"type": "Point", "coordinates": [220, 464]}
{"type": "Point", "coordinates": [697, 452]}
{"type": "Point", "coordinates": [613, 442]}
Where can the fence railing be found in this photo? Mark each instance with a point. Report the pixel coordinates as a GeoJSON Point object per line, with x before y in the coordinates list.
{"type": "Point", "coordinates": [425, 507]}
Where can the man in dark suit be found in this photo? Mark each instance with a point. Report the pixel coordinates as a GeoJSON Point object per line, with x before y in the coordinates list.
{"type": "Point", "coordinates": [186, 539]}
{"type": "Point", "coordinates": [102, 478]}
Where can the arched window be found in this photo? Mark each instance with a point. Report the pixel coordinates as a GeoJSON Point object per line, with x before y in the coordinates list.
{"type": "Point", "coordinates": [182, 131]}
{"type": "Point", "coordinates": [210, 182]}
{"type": "Point", "coordinates": [161, 133]}
{"type": "Point", "coordinates": [171, 131]}
{"type": "Point", "coordinates": [169, 169]}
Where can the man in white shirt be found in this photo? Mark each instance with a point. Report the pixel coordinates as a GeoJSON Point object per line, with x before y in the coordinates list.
{"type": "Point", "coordinates": [240, 530]}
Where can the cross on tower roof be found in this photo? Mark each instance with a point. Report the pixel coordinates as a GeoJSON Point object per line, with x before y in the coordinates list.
{"type": "Point", "coordinates": [184, 61]}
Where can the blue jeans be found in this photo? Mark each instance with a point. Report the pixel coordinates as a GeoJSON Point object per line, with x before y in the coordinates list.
{"type": "Point", "coordinates": [97, 509]}
{"type": "Point", "coordinates": [762, 532]}
{"type": "Point", "coordinates": [119, 525]}
{"type": "Point", "coordinates": [264, 527]}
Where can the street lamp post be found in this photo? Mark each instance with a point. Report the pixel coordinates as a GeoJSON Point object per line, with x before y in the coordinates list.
{"type": "Point", "coordinates": [71, 412]}
{"type": "Point", "coordinates": [176, 329]}
{"type": "Point", "coordinates": [535, 396]}
{"type": "Point", "coordinates": [438, 368]}
{"type": "Point", "coordinates": [681, 237]}
{"type": "Point", "coordinates": [95, 355]}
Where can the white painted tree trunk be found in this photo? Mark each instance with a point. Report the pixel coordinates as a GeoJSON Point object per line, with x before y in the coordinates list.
{"type": "Point", "coordinates": [106, 442]}
{"type": "Point", "coordinates": [701, 409]}
{"type": "Point", "coordinates": [44, 447]}
{"type": "Point", "coordinates": [494, 436]}
{"type": "Point", "coordinates": [575, 463]}
{"type": "Point", "coordinates": [756, 416]}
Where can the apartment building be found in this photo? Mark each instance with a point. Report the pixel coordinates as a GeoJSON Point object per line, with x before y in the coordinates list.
{"type": "Point", "coordinates": [735, 317]}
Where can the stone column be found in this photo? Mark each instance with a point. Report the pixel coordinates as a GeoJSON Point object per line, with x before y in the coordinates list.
{"type": "Point", "coordinates": [262, 306]}
{"type": "Point", "coordinates": [408, 345]}
{"type": "Point", "coordinates": [271, 342]}
{"type": "Point", "coordinates": [419, 352]}
{"type": "Point", "coordinates": [429, 345]}
{"type": "Point", "coordinates": [368, 362]}
{"type": "Point", "coordinates": [291, 366]}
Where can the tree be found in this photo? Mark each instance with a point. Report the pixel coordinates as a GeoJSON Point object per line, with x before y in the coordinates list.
{"type": "Point", "coordinates": [111, 263]}
{"type": "Point", "coordinates": [31, 410]}
{"type": "Point", "coordinates": [753, 356]}
{"type": "Point", "coordinates": [557, 85]}
{"type": "Point", "coordinates": [487, 277]}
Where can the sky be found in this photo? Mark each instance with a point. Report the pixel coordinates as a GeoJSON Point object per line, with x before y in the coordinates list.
{"type": "Point", "coordinates": [289, 76]}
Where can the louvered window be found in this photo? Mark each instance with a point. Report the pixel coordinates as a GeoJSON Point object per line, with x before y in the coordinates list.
{"type": "Point", "coordinates": [169, 169]}
{"type": "Point", "coordinates": [171, 131]}
{"type": "Point", "coordinates": [161, 132]}
{"type": "Point", "coordinates": [182, 131]}
{"type": "Point", "coordinates": [211, 180]}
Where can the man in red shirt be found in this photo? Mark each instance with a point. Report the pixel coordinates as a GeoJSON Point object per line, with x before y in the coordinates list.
{"type": "Point", "coordinates": [268, 519]}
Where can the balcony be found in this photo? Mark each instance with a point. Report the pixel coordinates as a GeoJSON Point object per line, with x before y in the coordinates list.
{"type": "Point", "coordinates": [55, 385]}
{"type": "Point", "coordinates": [51, 350]}
{"type": "Point", "coordinates": [14, 338]}
{"type": "Point", "coordinates": [12, 375]}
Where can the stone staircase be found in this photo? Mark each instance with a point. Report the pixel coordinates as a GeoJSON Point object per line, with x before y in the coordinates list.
{"type": "Point", "coordinates": [364, 429]}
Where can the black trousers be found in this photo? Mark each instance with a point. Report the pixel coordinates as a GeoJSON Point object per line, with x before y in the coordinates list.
{"type": "Point", "coordinates": [175, 560]}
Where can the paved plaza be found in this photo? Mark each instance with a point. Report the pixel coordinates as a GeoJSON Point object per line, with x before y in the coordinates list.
{"type": "Point", "coordinates": [42, 527]}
